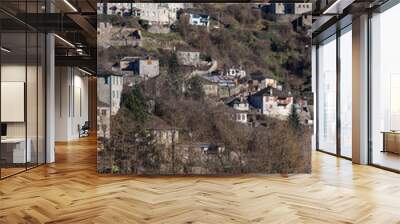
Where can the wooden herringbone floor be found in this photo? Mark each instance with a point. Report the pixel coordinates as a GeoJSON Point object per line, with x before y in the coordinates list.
{"type": "Point", "coordinates": [70, 191]}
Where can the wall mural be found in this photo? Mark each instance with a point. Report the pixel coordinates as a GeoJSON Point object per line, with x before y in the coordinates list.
{"type": "Point", "coordinates": [204, 88]}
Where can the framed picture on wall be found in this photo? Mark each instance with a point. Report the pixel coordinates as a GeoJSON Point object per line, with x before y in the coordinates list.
{"type": "Point", "coordinates": [12, 101]}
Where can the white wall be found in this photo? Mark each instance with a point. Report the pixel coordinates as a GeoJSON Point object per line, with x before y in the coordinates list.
{"type": "Point", "coordinates": [33, 126]}
{"type": "Point", "coordinates": [116, 92]}
{"type": "Point", "coordinates": [12, 73]}
{"type": "Point", "coordinates": [61, 103]}
{"type": "Point", "coordinates": [71, 103]}
{"type": "Point", "coordinates": [81, 109]}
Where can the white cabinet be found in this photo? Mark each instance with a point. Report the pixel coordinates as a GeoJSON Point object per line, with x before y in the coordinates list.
{"type": "Point", "coordinates": [19, 155]}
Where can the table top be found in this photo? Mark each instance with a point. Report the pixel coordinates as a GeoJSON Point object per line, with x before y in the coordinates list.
{"type": "Point", "coordinates": [391, 132]}
{"type": "Point", "coordinates": [13, 140]}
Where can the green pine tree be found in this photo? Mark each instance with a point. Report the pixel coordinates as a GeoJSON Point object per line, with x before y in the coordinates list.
{"type": "Point", "coordinates": [135, 102]}
{"type": "Point", "coordinates": [195, 88]}
{"type": "Point", "coordinates": [148, 154]}
{"type": "Point", "coordinates": [294, 119]}
{"type": "Point", "coordinates": [175, 79]}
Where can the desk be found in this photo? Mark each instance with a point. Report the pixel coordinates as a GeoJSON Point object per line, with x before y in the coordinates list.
{"type": "Point", "coordinates": [391, 141]}
{"type": "Point", "coordinates": [13, 150]}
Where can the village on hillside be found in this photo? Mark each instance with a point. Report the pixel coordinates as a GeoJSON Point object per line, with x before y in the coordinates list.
{"type": "Point", "coordinates": [203, 88]}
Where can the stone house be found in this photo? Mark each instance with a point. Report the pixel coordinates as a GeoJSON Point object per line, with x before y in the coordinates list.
{"type": "Point", "coordinates": [272, 102]}
{"type": "Point", "coordinates": [302, 8]}
{"type": "Point", "coordinates": [163, 133]}
{"type": "Point", "coordinates": [199, 19]}
{"type": "Point", "coordinates": [159, 13]}
{"type": "Point", "coordinates": [210, 88]}
{"type": "Point", "coordinates": [116, 8]}
{"type": "Point", "coordinates": [241, 107]}
{"type": "Point", "coordinates": [110, 86]}
{"type": "Point", "coordinates": [304, 21]}
{"type": "Point", "coordinates": [227, 86]}
{"type": "Point", "coordinates": [103, 119]}
{"type": "Point", "coordinates": [268, 82]}
{"type": "Point", "coordinates": [188, 58]}
{"type": "Point", "coordinates": [109, 35]}
{"type": "Point", "coordinates": [236, 73]}
{"type": "Point", "coordinates": [155, 13]}
{"type": "Point", "coordinates": [145, 68]}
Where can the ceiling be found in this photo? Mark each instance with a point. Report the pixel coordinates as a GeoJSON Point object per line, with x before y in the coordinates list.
{"type": "Point", "coordinates": [74, 22]}
{"type": "Point", "coordinates": [329, 15]}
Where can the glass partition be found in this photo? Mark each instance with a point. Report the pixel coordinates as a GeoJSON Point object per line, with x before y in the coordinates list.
{"type": "Point", "coordinates": [14, 152]}
{"type": "Point", "coordinates": [32, 98]}
{"type": "Point", "coordinates": [41, 97]}
{"type": "Point", "coordinates": [327, 95]}
{"type": "Point", "coordinates": [22, 88]}
{"type": "Point", "coordinates": [346, 93]}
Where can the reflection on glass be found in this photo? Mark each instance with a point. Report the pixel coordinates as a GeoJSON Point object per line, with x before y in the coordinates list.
{"type": "Point", "coordinates": [41, 98]}
{"type": "Point", "coordinates": [14, 153]}
{"type": "Point", "coordinates": [327, 96]}
{"type": "Point", "coordinates": [346, 94]}
{"type": "Point", "coordinates": [385, 83]}
{"type": "Point", "coordinates": [31, 98]}
{"type": "Point", "coordinates": [22, 90]}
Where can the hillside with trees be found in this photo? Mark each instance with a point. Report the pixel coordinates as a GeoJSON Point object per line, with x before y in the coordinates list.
{"type": "Point", "coordinates": [210, 141]}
